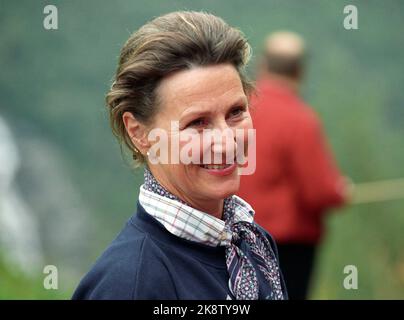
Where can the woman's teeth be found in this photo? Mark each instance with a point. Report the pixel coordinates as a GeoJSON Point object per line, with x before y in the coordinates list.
{"type": "Point", "coordinates": [215, 166]}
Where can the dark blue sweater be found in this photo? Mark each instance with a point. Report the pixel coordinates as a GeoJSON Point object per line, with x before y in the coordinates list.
{"type": "Point", "coordinates": [146, 261]}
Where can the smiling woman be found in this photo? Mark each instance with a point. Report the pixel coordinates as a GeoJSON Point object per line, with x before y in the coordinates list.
{"type": "Point", "coordinates": [191, 237]}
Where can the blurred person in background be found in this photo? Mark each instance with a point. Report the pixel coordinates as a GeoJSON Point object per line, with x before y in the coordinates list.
{"type": "Point", "coordinates": [296, 179]}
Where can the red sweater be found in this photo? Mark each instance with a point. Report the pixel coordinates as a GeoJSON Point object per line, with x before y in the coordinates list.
{"type": "Point", "coordinates": [296, 179]}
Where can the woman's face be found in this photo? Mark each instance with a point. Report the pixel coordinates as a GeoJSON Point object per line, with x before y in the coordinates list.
{"type": "Point", "coordinates": [199, 99]}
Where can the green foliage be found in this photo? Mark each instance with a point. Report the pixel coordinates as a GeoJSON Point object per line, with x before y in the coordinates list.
{"type": "Point", "coordinates": [15, 284]}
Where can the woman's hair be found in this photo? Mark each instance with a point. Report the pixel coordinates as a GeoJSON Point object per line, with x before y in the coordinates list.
{"type": "Point", "coordinates": [172, 42]}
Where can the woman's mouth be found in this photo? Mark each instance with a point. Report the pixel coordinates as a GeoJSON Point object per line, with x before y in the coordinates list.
{"type": "Point", "coordinates": [219, 169]}
{"type": "Point", "coordinates": [215, 166]}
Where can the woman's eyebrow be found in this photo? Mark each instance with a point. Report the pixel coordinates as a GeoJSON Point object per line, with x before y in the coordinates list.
{"type": "Point", "coordinates": [240, 101]}
{"type": "Point", "coordinates": [193, 111]}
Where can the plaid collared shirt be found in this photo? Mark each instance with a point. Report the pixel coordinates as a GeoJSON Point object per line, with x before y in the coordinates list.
{"type": "Point", "coordinates": [192, 224]}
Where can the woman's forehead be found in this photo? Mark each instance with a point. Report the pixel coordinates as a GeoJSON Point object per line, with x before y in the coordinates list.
{"type": "Point", "coordinates": [201, 87]}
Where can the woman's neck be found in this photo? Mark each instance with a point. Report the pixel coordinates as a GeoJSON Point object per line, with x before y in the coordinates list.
{"type": "Point", "coordinates": [212, 207]}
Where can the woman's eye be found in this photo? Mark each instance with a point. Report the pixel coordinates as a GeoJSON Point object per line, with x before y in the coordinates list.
{"type": "Point", "coordinates": [237, 111]}
{"type": "Point", "coordinates": [197, 123]}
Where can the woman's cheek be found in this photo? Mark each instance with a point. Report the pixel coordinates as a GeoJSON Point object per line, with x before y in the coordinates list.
{"type": "Point", "coordinates": [190, 148]}
{"type": "Point", "coordinates": [243, 135]}
{"type": "Point", "coordinates": [248, 123]}
{"type": "Point", "coordinates": [245, 126]}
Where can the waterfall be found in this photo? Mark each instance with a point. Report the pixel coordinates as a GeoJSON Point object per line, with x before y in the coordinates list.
{"type": "Point", "coordinates": [20, 243]}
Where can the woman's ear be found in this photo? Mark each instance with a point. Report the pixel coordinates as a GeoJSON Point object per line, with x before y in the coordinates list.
{"type": "Point", "coordinates": [137, 132]}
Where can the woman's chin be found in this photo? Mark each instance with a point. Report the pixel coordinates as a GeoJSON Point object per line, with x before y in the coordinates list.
{"type": "Point", "coordinates": [224, 190]}
{"type": "Point", "coordinates": [212, 185]}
